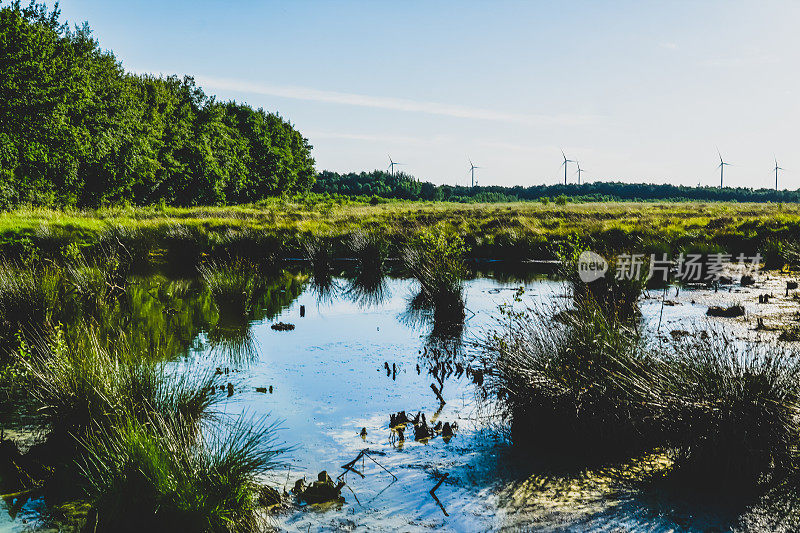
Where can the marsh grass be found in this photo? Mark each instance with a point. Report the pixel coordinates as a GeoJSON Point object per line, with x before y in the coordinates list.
{"type": "Point", "coordinates": [778, 253]}
{"type": "Point", "coordinates": [28, 295]}
{"type": "Point", "coordinates": [733, 408]}
{"type": "Point", "coordinates": [94, 284]}
{"type": "Point", "coordinates": [156, 474]}
{"type": "Point", "coordinates": [179, 237]}
{"type": "Point", "coordinates": [86, 383]}
{"type": "Point", "coordinates": [559, 386]}
{"type": "Point", "coordinates": [615, 297]}
{"type": "Point", "coordinates": [235, 286]}
{"type": "Point", "coordinates": [590, 386]}
{"type": "Point", "coordinates": [436, 263]}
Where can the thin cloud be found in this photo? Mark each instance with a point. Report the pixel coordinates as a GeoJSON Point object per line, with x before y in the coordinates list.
{"type": "Point", "coordinates": [389, 103]}
{"type": "Point", "coordinates": [368, 137]}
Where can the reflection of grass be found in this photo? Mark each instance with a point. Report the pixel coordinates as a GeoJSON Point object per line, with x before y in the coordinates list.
{"type": "Point", "coordinates": [234, 285]}
{"type": "Point", "coordinates": [367, 285]}
{"type": "Point", "coordinates": [320, 257]}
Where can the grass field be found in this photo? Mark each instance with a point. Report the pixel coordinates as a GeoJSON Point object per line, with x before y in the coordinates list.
{"type": "Point", "coordinates": [524, 230]}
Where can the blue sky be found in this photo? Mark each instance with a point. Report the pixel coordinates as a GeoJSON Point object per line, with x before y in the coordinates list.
{"type": "Point", "coordinates": [637, 91]}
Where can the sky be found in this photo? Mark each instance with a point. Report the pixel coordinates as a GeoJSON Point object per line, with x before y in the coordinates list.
{"type": "Point", "coordinates": [639, 91]}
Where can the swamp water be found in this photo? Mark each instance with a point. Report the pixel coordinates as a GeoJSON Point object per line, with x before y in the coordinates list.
{"type": "Point", "coordinates": [326, 379]}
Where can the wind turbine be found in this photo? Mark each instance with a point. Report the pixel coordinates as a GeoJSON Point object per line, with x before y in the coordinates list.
{"type": "Point", "coordinates": [564, 164]}
{"type": "Point", "coordinates": [777, 168]}
{"type": "Point", "coordinates": [392, 164]}
{"type": "Point", "coordinates": [472, 168]}
{"type": "Point", "coordinates": [722, 165]}
{"type": "Point", "coordinates": [580, 170]}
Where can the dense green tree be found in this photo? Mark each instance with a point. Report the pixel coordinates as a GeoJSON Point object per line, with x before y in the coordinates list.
{"type": "Point", "coordinates": [381, 183]}
{"type": "Point", "coordinates": [76, 129]}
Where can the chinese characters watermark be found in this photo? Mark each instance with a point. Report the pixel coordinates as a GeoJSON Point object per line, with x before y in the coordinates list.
{"type": "Point", "coordinates": [689, 268]}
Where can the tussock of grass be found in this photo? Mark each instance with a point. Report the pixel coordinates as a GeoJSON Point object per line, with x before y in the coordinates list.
{"type": "Point", "coordinates": [560, 386]}
{"type": "Point", "coordinates": [235, 286]}
{"type": "Point", "coordinates": [588, 385]}
{"type": "Point", "coordinates": [155, 474]}
{"type": "Point", "coordinates": [27, 297]}
{"type": "Point", "coordinates": [86, 383]}
{"type": "Point", "coordinates": [733, 407]}
{"type": "Point", "coordinates": [435, 262]}
{"type": "Point", "coordinates": [615, 297]}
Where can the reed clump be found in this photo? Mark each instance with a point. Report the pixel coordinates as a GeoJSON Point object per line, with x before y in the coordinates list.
{"type": "Point", "coordinates": [28, 295]}
{"type": "Point", "coordinates": [436, 262]}
{"type": "Point", "coordinates": [588, 384]}
{"type": "Point", "coordinates": [733, 408]}
{"type": "Point", "coordinates": [559, 379]}
{"type": "Point", "coordinates": [156, 474]}
{"type": "Point", "coordinates": [235, 286]}
{"type": "Point", "coordinates": [613, 294]}
{"type": "Point", "coordinates": [84, 383]}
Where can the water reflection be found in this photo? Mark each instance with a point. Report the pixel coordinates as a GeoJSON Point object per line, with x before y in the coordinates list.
{"type": "Point", "coordinates": [230, 334]}
{"type": "Point", "coordinates": [367, 284]}
{"type": "Point", "coordinates": [443, 319]}
{"type": "Point", "coordinates": [327, 380]}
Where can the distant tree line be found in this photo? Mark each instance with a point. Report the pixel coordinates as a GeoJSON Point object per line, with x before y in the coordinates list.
{"type": "Point", "coordinates": [380, 183]}
{"type": "Point", "coordinates": [77, 130]}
